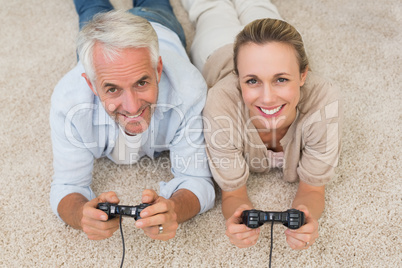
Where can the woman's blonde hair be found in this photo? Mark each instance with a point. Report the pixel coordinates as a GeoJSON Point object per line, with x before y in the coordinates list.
{"type": "Point", "coordinates": [263, 31]}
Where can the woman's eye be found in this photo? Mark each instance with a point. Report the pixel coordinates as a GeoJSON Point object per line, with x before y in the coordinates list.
{"type": "Point", "coordinates": [281, 80]}
{"type": "Point", "coordinates": [251, 81]}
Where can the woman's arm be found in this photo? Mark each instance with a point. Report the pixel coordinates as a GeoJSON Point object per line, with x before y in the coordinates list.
{"type": "Point", "coordinates": [310, 200]}
{"type": "Point", "coordinates": [234, 199]}
{"type": "Point", "coordinates": [233, 204]}
{"type": "Point", "coordinates": [313, 197]}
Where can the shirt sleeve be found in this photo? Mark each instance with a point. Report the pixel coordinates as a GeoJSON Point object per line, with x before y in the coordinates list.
{"type": "Point", "coordinates": [228, 165]}
{"type": "Point", "coordinates": [189, 161]}
{"type": "Point", "coordinates": [72, 162]}
{"type": "Point", "coordinates": [224, 130]}
{"type": "Point", "coordinates": [322, 145]}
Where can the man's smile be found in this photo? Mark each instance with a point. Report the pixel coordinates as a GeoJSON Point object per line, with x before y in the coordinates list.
{"type": "Point", "coordinates": [136, 115]}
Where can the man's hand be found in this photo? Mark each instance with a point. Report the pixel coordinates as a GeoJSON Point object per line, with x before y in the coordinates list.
{"type": "Point", "coordinates": [160, 213]}
{"type": "Point", "coordinates": [306, 235]}
{"type": "Point", "coordinates": [94, 222]}
{"type": "Point", "coordinates": [239, 234]}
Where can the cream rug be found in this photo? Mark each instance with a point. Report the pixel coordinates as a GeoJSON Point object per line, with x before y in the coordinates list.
{"type": "Point", "coordinates": [357, 44]}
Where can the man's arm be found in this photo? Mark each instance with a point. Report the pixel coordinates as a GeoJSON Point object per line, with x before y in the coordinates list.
{"type": "Point", "coordinates": [74, 150]}
{"type": "Point", "coordinates": [189, 193]}
{"type": "Point", "coordinates": [186, 205]}
{"type": "Point", "coordinates": [167, 213]}
{"type": "Point", "coordinates": [180, 130]}
{"type": "Point", "coordinates": [70, 209]}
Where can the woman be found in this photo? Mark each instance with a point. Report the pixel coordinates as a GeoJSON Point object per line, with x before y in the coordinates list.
{"type": "Point", "coordinates": [265, 109]}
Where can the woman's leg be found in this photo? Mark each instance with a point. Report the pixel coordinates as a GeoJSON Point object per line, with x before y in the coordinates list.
{"type": "Point", "coordinates": [86, 9]}
{"type": "Point", "coordinates": [216, 24]}
{"type": "Point", "coordinates": [249, 11]}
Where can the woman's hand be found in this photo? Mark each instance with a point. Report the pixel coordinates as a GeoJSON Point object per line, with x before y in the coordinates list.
{"type": "Point", "coordinates": [306, 235]}
{"type": "Point", "coordinates": [239, 234]}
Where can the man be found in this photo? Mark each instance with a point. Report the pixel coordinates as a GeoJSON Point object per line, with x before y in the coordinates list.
{"type": "Point", "coordinates": [127, 99]}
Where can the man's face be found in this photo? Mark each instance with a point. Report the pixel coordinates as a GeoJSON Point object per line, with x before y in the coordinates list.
{"type": "Point", "coordinates": [127, 87]}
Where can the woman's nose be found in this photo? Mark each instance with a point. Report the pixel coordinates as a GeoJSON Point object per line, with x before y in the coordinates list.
{"type": "Point", "coordinates": [269, 94]}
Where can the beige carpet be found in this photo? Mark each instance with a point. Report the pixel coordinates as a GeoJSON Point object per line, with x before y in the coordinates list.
{"type": "Point", "coordinates": [355, 43]}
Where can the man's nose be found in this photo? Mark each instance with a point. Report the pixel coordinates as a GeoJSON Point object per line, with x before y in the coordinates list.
{"type": "Point", "coordinates": [130, 102]}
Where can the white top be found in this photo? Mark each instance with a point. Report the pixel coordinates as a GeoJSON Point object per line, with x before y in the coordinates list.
{"type": "Point", "coordinates": [128, 148]}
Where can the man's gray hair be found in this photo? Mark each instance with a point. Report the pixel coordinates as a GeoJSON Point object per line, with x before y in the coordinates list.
{"type": "Point", "coordinates": [115, 30]}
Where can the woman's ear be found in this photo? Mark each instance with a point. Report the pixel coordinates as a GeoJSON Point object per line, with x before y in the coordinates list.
{"type": "Point", "coordinates": [303, 76]}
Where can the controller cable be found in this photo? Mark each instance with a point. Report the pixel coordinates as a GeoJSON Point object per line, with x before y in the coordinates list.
{"type": "Point", "coordinates": [272, 243]}
{"type": "Point", "coordinates": [122, 239]}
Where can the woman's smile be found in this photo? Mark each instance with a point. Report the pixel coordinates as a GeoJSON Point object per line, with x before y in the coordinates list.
{"type": "Point", "coordinates": [271, 112]}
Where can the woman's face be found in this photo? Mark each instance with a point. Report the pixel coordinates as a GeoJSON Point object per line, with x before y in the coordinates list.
{"type": "Point", "coordinates": [270, 81]}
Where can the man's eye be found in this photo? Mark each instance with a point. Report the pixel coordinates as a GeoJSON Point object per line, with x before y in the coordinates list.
{"type": "Point", "coordinates": [112, 90]}
{"type": "Point", "coordinates": [142, 83]}
{"type": "Point", "coordinates": [251, 81]}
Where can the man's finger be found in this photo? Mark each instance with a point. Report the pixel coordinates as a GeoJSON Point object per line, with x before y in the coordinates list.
{"type": "Point", "coordinates": [93, 213]}
{"type": "Point", "coordinates": [149, 196]}
{"type": "Point", "coordinates": [110, 197]}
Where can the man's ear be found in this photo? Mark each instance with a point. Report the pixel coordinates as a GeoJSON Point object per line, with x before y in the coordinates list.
{"type": "Point", "coordinates": [303, 76]}
{"type": "Point", "coordinates": [159, 68]}
{"type": "Point", "coordinates": [89, 83]}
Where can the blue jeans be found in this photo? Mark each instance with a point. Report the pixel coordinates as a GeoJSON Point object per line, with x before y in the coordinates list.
{"type": "Point", "coordinates": [159, 11]}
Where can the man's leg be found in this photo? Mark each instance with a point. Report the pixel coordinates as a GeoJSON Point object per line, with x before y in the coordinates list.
{"type": "Point", "coordinates": [249, 11]}
{"type": "Point", "coordinates": [216, 24]}
{"type": "Point", "coordinates": [86, 9]}
{"type": "Point", "coordinates": [162, 4]}
{"type": "Point", "coordinates": [159, 11]}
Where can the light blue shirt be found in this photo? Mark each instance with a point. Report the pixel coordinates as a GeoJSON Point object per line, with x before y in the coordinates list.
{"type": "Point", "coordinates": [82, 130]}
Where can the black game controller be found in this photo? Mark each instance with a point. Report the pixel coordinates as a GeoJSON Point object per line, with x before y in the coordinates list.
{"type": "Point", "coordinates": [113, 210]}
{"type": "Point", "coordinates": [291, 218]}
